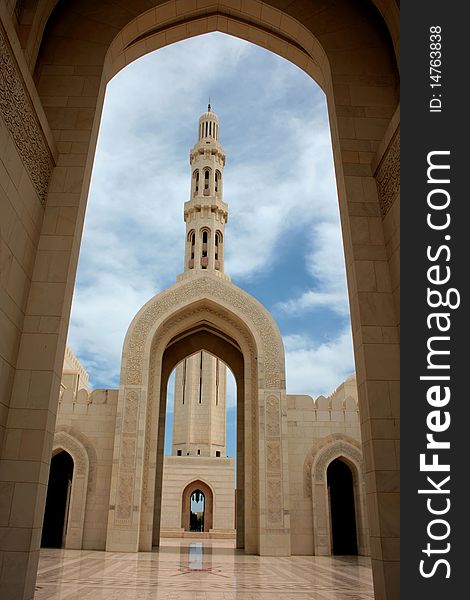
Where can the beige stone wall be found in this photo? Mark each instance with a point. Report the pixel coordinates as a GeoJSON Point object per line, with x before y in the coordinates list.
{"type": "Point", "coordinates": [309, 422]}
{"type": "Point", "coordinates": [91, 419]}
{"type": "Point", "coordinates": [217, 473]}
{"type": "Point", "coordinates": [199, 408]}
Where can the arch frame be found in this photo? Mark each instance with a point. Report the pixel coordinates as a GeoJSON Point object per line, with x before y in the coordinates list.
{"type": "Point", "coordinates": [209, 503]}
{"type": "Point", "coordinates": [63, 441]}
{"type": "Point", "coordinates": [328, 449]}
{"type": "Point", "coordinates": [202, 301]}
{"type": "Point", "coordinates": [376, 359]}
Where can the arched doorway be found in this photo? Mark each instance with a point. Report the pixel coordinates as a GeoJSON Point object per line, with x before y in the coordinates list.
{"type": "Point", "coordinates": [342, 508]}
{"type": "Point", "coordinates": [209, 314]}
{"type": "Point", "coordinates": [197, 507]}
{"type": "Point", "coordinates": [56, 513]}
{"type": "Point", "coordinates": [320, 483]}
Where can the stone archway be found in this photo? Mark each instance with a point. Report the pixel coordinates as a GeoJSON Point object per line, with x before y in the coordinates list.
{"type": "Point", "coordinates": [211, 314]}
{"type": "Point", "coordinates": [78, 494]}
{"type": "Point", "coordinates": [336, 446]}
{"type": "Point", "coordinates": [193, 486]}
{"type": "Point", "coordinates": [350, 44]}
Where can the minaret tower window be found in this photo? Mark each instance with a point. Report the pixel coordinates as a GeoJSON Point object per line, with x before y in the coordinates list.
{"type": "Point", "coordinates": [196, 181]}
{"type": "Point", "coordinates": [192, 246]}
{"type": "Point", "coordinates": [206, 181]}
{"type": "Point", "coordinates": [218, 243]}
{"type": "Point", "coordinates": [205, 240]}
{"type": "Point", "coordinates": [218, 181]}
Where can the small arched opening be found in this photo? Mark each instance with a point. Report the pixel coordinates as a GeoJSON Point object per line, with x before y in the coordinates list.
{"type": "Point", "coordinates": [218, 249]}
{"type": "Point", "coordinates": [197, 507]}
{"type": "Point", "coordinates": [192, 248]}
{"type": "Point", "coordinates": [56, 513]}
{"type": "Point", "coordinates": [205, 248]}
{"type": "Point", "coordinates": [342, 508]}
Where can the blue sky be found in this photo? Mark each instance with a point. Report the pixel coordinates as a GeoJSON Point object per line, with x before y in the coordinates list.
{"type": "Point", "coordinates": [283, 241]}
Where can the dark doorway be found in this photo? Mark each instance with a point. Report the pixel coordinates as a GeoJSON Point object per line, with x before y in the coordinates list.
{"type": "Point", "coordinates": [196, 515]}
{"type": "Point", "coordinates": [57, 501]}
{"type": "Point", "coordinates": [343, 514]}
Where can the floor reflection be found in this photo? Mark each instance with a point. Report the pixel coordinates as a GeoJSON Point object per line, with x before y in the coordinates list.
{"type": "Point", "coordinates": [186, 569]}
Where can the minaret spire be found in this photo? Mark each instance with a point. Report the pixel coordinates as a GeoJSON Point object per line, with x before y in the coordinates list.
{"type": "Point", "coordinates": [200, 382]}
{"type": "Point", "coordinates": [206, 213]}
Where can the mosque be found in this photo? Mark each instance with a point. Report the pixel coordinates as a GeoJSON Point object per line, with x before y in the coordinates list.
{"type": "Point", "coordinates": [296, 486]}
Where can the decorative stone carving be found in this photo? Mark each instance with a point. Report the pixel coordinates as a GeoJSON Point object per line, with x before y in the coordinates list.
{"type": "Point", "coordinates": [388, 176]}
{"type": "Point", "coordinates": [273, 457]}
{"type": "Point", "coordinates": [21, 121]}
{"type": "Point", "coordinates": [90, 452]}
{"type": "Point", "coordinates": [274, 497]}
{"type": "Point", "coordinates": [216, 289]}
{"type": "Point", "coordinates": [323, 452]}
{"type": "Point", "coordinates": [127, 458]}
{"type": "Point", "coordinates": [130, 413]}
{"type": "Point", "coordinates": [124, 498]}
{"type": "Point", "coordinates": [65, 442]}
{"type": "Point", "coordinates": [272, 417]}
{"type": "Point", "coordinates": [338, 449]}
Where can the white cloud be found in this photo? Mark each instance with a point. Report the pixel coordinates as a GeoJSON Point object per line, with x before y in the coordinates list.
{"type": "Point", "coordinates": [271, 196]}
{"type": "Point", "coordinates": [325, 262]}
{"type": "Point", "coordinates": [277, 180]}
{"type": "Point", "coordinates": [316, 368]}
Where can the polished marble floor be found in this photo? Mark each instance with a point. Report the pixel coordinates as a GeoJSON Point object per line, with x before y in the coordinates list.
{"type": "Point", "coordinates": [199, 570]}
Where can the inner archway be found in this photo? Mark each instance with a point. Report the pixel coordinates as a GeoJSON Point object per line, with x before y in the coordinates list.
{"type": "Point", "coordinates": [342, 508]}
{"type": "Point", "coordinates": [56, 513]}
{"type": "Point", "coordinates": [197, 503]}
{"type": "Point", "coordinates": [206, 338]}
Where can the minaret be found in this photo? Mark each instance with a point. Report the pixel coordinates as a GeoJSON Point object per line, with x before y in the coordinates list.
{"type": "Point", "coordinates": [200, 384]}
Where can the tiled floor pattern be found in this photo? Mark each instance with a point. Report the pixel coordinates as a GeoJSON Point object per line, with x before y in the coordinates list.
{"type": "Point", "coordinates": [199, 570]}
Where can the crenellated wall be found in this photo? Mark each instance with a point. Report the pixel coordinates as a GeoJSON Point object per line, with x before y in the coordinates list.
{"type": "Point", "coordinates": [309, 423]}
{"type": "Point", "coordinates": [90, 418]}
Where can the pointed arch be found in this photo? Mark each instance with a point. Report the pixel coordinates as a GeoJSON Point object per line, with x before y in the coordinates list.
{"type": "Point", "coordinates": [188, 490]}
{"type": "Point", "coordinates": [211, 314]}
{"type": "Point", "coordinates": [320, 456]}
{"type": "Point", "coordinates": [63, 441]}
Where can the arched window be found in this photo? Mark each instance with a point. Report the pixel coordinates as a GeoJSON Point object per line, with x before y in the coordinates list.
{"type": "Point", "coordinates": [218, 243]}
{"type": "Point", "coordinates": [196, 178]}
{"type": "Point", "coordinates": [204, 256]}
{"type": "Point", "coordinates": [192, 243]}
{"type": "Point", "coordinates": [218, 180]}
{"type": "Point", "coordinates": [206, 179]}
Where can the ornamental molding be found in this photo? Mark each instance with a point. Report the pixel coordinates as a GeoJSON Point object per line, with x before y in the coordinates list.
{"type": "Point", "coordinates": [388, 176]}
{"type": "Point", "coordinates": [21, 121]}
{"type": "Point", "coordinates": [214, 289]}
{"type": "Point", "coordinates": [67, 443]}
{"type": "Point", "coordinates": [64, 435]}
{"type": "Point", "coordinates": [325, 451]}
